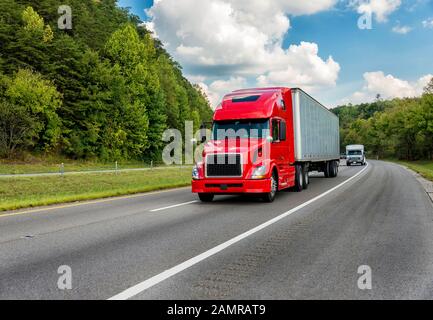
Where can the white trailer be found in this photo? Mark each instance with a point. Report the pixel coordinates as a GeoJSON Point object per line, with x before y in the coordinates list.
{"type": "Point", "coordinates": [317, 134]}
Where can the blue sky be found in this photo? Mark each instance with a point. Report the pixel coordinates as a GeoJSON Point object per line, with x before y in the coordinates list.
{"type": "Point", "coordinates": [137, 6]}
{"type": "Point", "coordinates": [394, 58]}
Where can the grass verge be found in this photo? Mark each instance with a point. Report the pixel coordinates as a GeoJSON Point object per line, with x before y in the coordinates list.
{"type": "Point", "coordinates": [53, 165]}
{"type": "Point", "coordinates": [423, 167]}
{"type": "Point", "coordinates": [16, 193]}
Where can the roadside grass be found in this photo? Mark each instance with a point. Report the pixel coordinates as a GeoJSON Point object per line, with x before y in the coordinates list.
{"type": "Point", "coordinates": [53, 165]}
{"type": "Point", "coordinates": [22, 192]}
{"type": "Point", "coordinates": [423, 167]}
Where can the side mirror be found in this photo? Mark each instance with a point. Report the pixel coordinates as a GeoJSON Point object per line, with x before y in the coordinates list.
{"type": "Point", "coordinates": [269, 139]}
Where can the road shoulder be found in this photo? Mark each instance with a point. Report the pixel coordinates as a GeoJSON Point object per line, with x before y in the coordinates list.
{"type": "Point", "coordinates": [426, 184]}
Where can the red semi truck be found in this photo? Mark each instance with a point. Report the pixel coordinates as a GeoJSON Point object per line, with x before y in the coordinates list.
{"type": "Point", "coordinates": [264, 140]}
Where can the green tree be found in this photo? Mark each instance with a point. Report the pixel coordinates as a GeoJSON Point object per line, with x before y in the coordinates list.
{"type": "Point", "coordinates": [131, 58]}
{"type": "Point", "coordinates": [34, 25]}
{"type": "Point", "coordinates": [429, 87]}
{"type": "Point", "coordinates": [169, 83]}
{"type": "Point", "coordinates": [18, 129]}
{"type": "Point", "coordinates": [426, 110]}
{"type": "Point", "coordinates": [117, 87]}
{"type": "Point", "coordinates": [28, 113]}
{"type": "Point", "coordinates": [39, 97]}
{"type": "Point", "coordinates": [32, 21]}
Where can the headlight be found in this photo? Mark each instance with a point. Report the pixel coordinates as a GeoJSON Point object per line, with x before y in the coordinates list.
{"type": "Point", "coordinates": [259, 173]}
{"type": "Point", "coordinates": [195, 174]}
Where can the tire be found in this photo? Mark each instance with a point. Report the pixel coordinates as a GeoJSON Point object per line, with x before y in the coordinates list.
{"type": "Point", "coordinates": [206, 197]}
{"type": "Point", "coordinates": [326, 170]}
{"type": "Point", "coordinates": [298, 179]}
{"type": "Point", "coordinates": [270, 196]}
{"type": "Point", "coordinates": [305, 177]}
{"type": "Point", "coordinates": [348, 164]}
{"type": "Point", "coordinates": [333, 169]}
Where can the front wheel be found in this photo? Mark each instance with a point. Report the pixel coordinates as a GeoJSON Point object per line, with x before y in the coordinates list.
{"type": "Point", "coordinates": [206, 197]}
{"type": "Point", "coordinates": [270, 196]}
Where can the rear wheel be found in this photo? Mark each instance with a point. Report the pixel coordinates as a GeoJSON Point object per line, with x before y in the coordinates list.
{"type": "Point", "coordinates": [326, 169]}
{"type": "Point", "coordinates": [298, 178]}
{"type": "Point", "coordinates": [305, 177]}
{"type": "Point", "coordinates": [270, 196]}
{"type": "Point", "coordinates": [333, 169]}
{"type": "Point", "coordinates": [206, 197]}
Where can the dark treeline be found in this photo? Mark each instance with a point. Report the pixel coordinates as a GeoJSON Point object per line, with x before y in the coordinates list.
{"type": "Point", "coordinates": [398, 128]}
{"type": "Point", "coordinates": [104, 89]}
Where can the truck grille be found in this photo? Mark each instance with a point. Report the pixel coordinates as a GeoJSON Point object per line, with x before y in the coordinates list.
{"type": "Point", "coordinates": [224, 165]}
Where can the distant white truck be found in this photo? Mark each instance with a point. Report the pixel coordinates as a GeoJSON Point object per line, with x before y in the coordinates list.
{"type": "Point", "coordinates": [355, 154]}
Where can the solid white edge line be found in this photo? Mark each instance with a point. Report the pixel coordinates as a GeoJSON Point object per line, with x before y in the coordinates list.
{"type": "Point", "coordinates": [174, 206]}
{"type": "Point", "coordinates": [138, 288]}
{"type": "Point", "coordinates": [46, 209]}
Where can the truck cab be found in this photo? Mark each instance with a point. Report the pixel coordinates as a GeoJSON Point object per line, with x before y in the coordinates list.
{"type": "Point", "coordinates": [355, 154]}
{"type": "Point", "coordinates": [251, 146]}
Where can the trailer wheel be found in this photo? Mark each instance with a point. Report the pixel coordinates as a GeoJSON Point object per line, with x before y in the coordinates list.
{"type": "Point", "coordinates": [305, 177]}
{"type": "Point", "coordinates": [326, 169]}
{"type": "Point", "coordinates": [206, 197]}
{"type": "Point", "coordinates": [333, 169]}
{"type": "Point", "coordinates": [299, 177]}
{"type": "Point", "coordinates": [270, 196]}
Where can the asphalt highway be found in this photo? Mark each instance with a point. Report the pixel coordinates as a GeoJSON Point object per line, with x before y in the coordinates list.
{"type": "Point", "coordinates": [168, 245]}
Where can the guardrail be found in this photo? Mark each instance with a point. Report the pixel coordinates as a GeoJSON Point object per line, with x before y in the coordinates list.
{"type": "Point", "coordinates": [63, 170]}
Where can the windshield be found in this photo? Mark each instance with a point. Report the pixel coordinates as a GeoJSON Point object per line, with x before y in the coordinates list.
{"type": "Point", "coordinates": [354, 152]}
{"type": "Point", "coordinates": [240, 129]}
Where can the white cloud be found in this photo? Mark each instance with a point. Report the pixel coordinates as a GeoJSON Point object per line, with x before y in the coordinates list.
{"type": "Point", "coordinates": [233, 39]}
{"type": "Point", "coordinates": [196, 78]}
{"type": "Point", "coordinates": [212, 33]}
{"type": "Point", "coordinates": [428, 23]}
{"type": "Point", "coordinates": [302, 67]}
{"type": "Point", "coordinates": [217, 89]}
{"type": "Point", "coordinates": [402, 29]}
{"type": "Point", "coordinates": [306, 7]}
{"type": "Point", "coordinates": [293, 7]}
{"type": "Point", "coordinates": [388, 87]}
{"type": "Point", "coordinates": [380, 8]}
